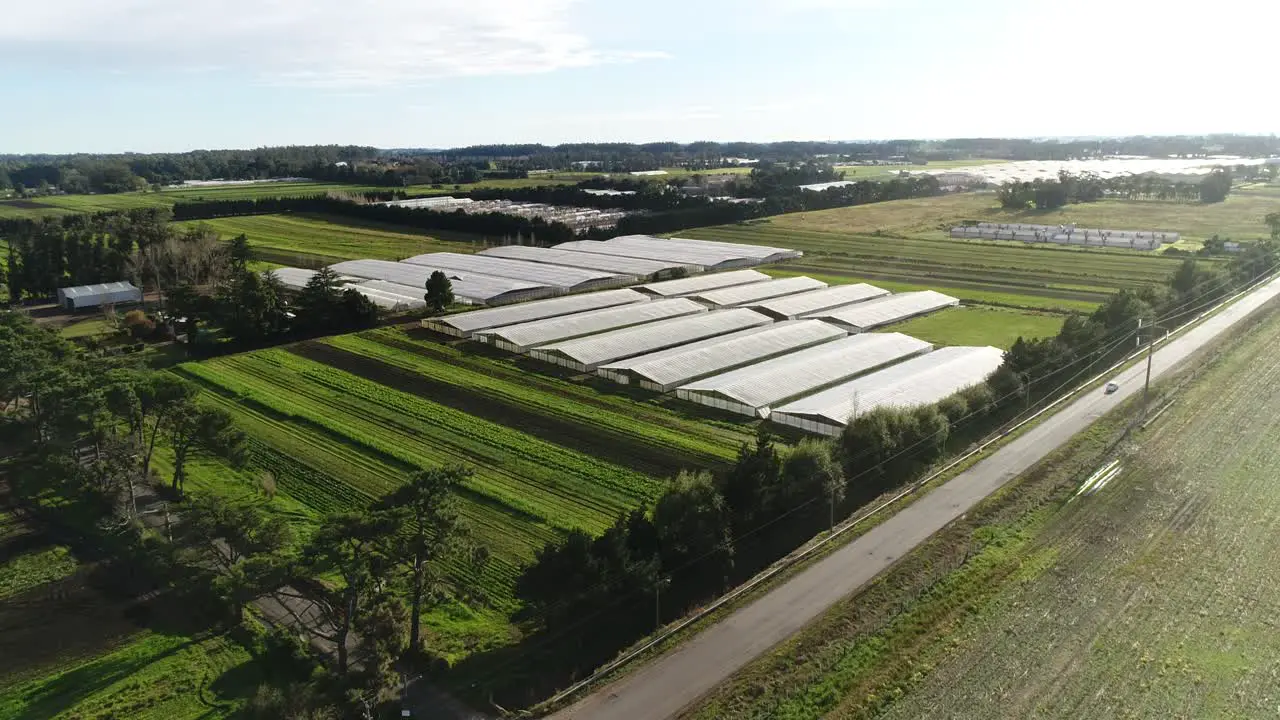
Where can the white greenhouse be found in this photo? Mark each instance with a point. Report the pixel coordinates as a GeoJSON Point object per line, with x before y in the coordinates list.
{"type": "Point", "coordinates": [760, 254]}
{"type": "Point", "coordinates": [388, 300]}
{"type": "Point", "coordinates": [795, 306]}
{"type": "Point", "coordinates": [919, 381]}
{"type": "Point", "coordinates": [293, 278]}
{"type": "Point", "coordinates": [637, 267]}
{"type": "Point", "coordinates": [470, 288]}
{"type": "Point", "coordinates": [567, 279]}
{"type": "Point", "coordinates": [588, 353]}
{"type": "Point", "coordinates": [756, 292]}
{"type": "Point", "coordinates": [707, 259]}
{"type": "Point", "coordinates": [526, 336]}
{"type": "Point", "coordinates": [703, 283]}
{"type": "Point", "coordinates": [464, 324]}
{"type": "Point", "coordinates": [755, 389]}
{"type": "Point", "coordinates": [92, 296]}
{"type": "Point", "coordinates": [864, 316]}
{"type": "Point", "coordinates": [666, 370]}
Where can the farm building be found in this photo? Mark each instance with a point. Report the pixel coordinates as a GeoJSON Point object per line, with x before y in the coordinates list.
{"type": "Point", "coordinates": [92, 296]}
{"type": "Point", "coordinates": [919, 381]}
{"type": "Point", "coordinates": [469, 288]}
{"type": "Point", "coordinates": [702, 283]}
{"type": "Point", "coordinates": [666, 370]}
{"type": "Point", "coordinates": [755, 292]}
{"type": "Point", "coordinates": [567, 279]}
{"type": "Point", "coordinates": [755, 389]}
{"type": "Point", "coordinates": [763, 254]}
{"type": "Point", "coordinates": [638, 267]}
{"type": "Point", "coordinates": [293, 278]}
{"type": "Point", "coordinates": [819, 187]}
{"type": "Point", "coordinates": [794, 306]}
{"type": "Point", "coordinates": [524, 337]}
{"type": "Point", "coordinates": [864, 316]}
{"type": "Point", "coordinates": [1066, 235]}
{"type": "Point", "coordinates": [588, 353]}
{"type": "Point", "coordinates": [464, 324]}
{"type": "Point", "coordinates": [704, 258]}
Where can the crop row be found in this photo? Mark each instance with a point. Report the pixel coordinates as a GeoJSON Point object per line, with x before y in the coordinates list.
{"type": "Point", "coordinates": [640, 435]}
{"type": "Point", "coordinates": [549, 483]}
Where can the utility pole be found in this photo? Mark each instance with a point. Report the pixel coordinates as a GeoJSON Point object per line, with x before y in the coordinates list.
{"type": "Point", "coordinates": [657, 601]}
{"type": "Point", "coordinates": [1146, 389]}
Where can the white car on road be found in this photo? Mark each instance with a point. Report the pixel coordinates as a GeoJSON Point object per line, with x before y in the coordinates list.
{"type": "Point", "coordinates": [1112, 387]}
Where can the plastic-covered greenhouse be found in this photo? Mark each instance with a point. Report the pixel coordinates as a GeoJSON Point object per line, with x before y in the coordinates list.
{"type": "Point", "coordinates": [755, 292]}
{"type": "Point", "coordinates": [568, 279]}
{"type": "Point", "coordinates": [919, 381]}
{"type": "Point", "coordinates": [708, 259]}
{"type": "Point", "coordinates": [763, 254]}
{"type": "Point", "coordinates": [587, 353]}
{"type": "Point", "coordinates": [474, 288]}
{"type": "Point", "coordinates": [795, 306]}
{"type": "Point", "coordinates": [754, 389]}
{"type": "Point", "coordinates": [90, 296]}
{"type": "Point", "coordinates": [638, 267]}
{"type": "Point", "coordinates": [526, 336]}
{"type": "Point", "coordinates": [664, 371]}
{"type": "Point", "coordinates": [864, 316]}
{"type": "Point", "coordinates": [464, 324]}
{"type": "Point", "coordinates": [703, 283]}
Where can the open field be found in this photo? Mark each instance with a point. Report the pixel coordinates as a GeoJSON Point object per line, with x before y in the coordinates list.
{"type": "Point", "coordinates": [1145, 597]}
{"type": "Point", "coordinates": [1152, 596]}
{"type": "Point", "coordinates": [905, 242]}
{"type": "Point", "coordinates": [999, 327]}
{"type": "Point", "coordinates": [342, 421]}
{"type": "Point", "coordinates": [312, 240]}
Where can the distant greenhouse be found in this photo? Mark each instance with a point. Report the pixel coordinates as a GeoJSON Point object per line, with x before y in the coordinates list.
{"type": "Point", "coordinates": [871, 314]}
{"type": "Point", "coordinates": [464, 324]}
{"type": "Point", "coordinates": [587, 353]}
{"type": "Point", "coordinates": [638, 267]}
{"type": "Point", "coordinates": [703, 283]}
{"type": "Point", "coordinates": [567, 279]}
{"type": "Point", "coordinates": [919, 381]}
{"type": "Point", "coordinates": [755, 389]}
{"type": "Point", "coordinates": [756, 292]}
{"type": "Point", "coordinates": [666, 370]}
{"type": "Point", "coordinates": [795, 306]}
{"type": "Point", "coordinates": [92, 296]}
{"type": "Point", "coordinates": [526, 336]}
{"type": "Point", "coordinates": [763, 254]}
{"type": "Point", "coordinates": [705, 258]}
{"type": "Point", "coordinates": [388, 300]}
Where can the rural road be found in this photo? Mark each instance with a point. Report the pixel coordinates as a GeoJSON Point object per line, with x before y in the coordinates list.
{"type": "Point", "coordinates": [670, 683]}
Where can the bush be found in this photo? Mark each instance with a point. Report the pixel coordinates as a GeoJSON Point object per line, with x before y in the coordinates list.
{"type": "Point", "coordinates": [138, 324]}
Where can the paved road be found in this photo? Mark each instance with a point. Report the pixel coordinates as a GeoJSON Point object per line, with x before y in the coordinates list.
{"type": "Point", "coordinates": [670, 683]}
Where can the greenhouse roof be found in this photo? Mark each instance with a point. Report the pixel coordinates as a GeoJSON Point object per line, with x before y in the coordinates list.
{"type": "Point", "coordinates": [604, 347]}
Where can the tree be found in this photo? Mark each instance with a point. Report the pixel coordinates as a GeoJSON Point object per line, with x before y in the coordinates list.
{"type": "Point", "coordinates": [251, 307]}
{"type": "Point", "coordinates": [148, 402]}
{"type": "Point", "coordinates": [237, 550]}
{"type": "Point", "coordinates": [439, 291]}
{"type": "Point", "coordinates": [352, 545]}
{"type": "Point", "coordinates": [196, 428]}
{"type": "Point", "coordinates": [695, 546]}
{"type": "Point", "coordinates": [433, 540]}
{"type": "Point", "coordinates": [239, 253]}
{"type": "Point", "coordinates": [1272, 221]}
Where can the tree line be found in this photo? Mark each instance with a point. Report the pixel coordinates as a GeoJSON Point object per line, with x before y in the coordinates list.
{"type": "Point", "coordinates": [90, 427]}
{"type": "Point", "coordinates": [1069, 188]}
{"type": "Point", "coordinates": [586, 598]}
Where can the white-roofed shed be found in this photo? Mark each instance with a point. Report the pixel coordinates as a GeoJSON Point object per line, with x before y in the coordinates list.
{"type": "Point", "coordinates": [919, 381]}
{"type": "Point", "coordinates": [754, 389]}
{"type": "Point", "coordinates": [97, 295]}
{"type": "Point", "coordinates": [588, 353]}
{"type": "Point", "coordinates": [666, 370]}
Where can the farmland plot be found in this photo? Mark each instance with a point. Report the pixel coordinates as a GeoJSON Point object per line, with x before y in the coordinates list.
{"type": "Point", "coordinates": [1158, 599]}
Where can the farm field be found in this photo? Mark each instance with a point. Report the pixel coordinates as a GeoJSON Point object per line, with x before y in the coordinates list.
{"type": "Point", "coordinates": [312, 240]}
{"type": "Point", "coordinates": [1149, 596]}
{"type": "Point", "coordinates": [341, 421]}
{"type": "Point", "coordinates": [998, 327]}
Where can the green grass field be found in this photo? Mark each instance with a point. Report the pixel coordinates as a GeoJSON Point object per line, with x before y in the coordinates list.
{"type": "Point", "coordinates": [342, 421]}
{"type": "Point", "coordinates": [309, 240]}
{"type": "Point", "coordinates": [999, 327]}
{"type": "Point", "coordinates": [151, 677]}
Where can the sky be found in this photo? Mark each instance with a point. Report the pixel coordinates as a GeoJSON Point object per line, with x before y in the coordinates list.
{"type": "Point", "coordinates": [166, 75]}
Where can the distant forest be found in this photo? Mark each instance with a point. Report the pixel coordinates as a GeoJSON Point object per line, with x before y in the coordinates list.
{"type": "Point", "coordinates": [110, 173]}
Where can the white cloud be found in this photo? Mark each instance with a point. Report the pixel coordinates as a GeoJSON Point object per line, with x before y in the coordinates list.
{"type": "Point", "coordinates": [337, 43]}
